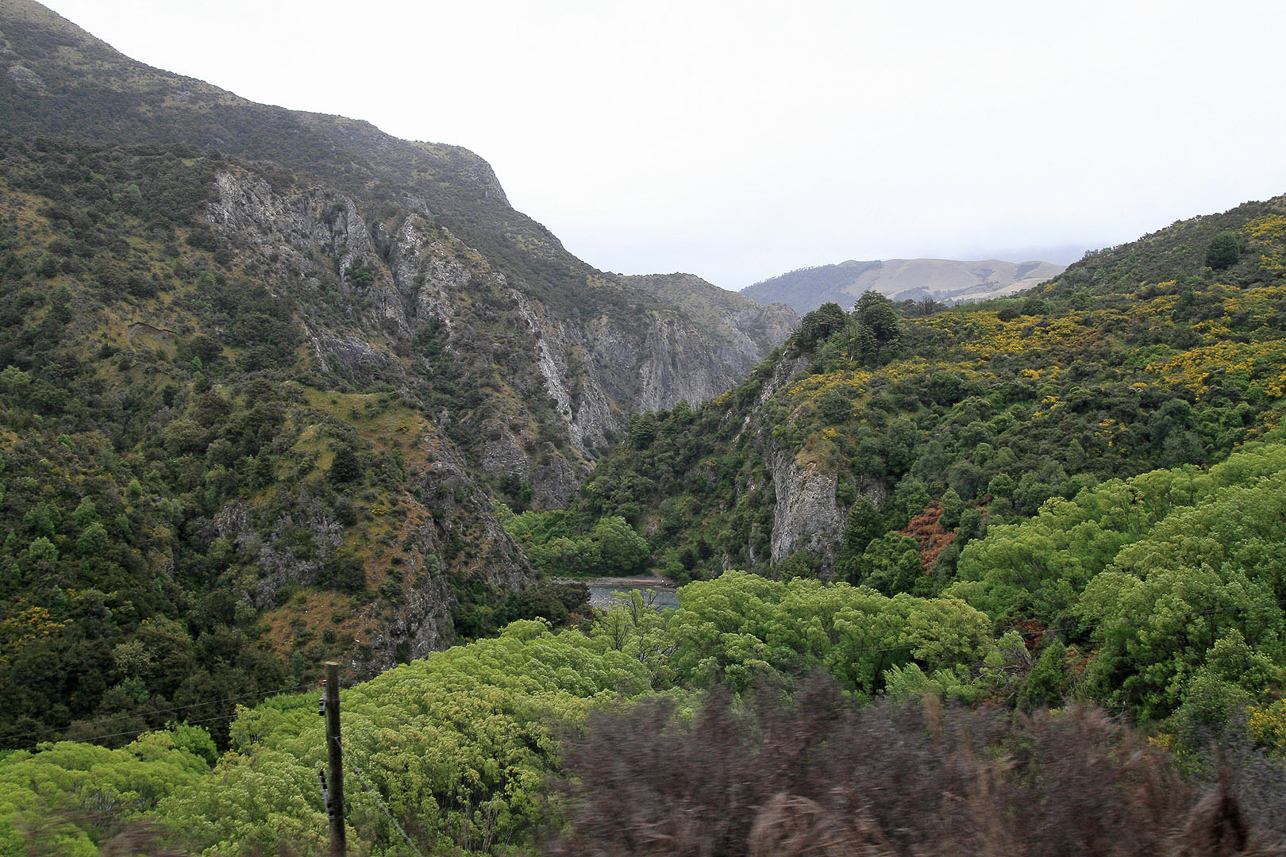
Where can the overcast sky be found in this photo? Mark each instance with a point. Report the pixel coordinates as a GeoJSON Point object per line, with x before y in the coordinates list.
{"type": "Point", "coordinates": [737, 139]}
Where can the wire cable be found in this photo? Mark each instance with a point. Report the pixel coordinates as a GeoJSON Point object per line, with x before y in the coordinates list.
{"type": "Point", "coordinates": [366, 784]}
{"type": "Point", "coordinates": [98, 738]}
{"type": "Point", "coordinates": [158, 711]}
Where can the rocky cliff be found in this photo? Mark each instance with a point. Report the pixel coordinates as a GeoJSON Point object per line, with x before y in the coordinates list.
{"type": "Point", "coordinates": [416, 233]}
{"type": "Point", "coordinates": [283, 366]}
{"type": "Point", "coordinates": [743, 329]}
{"type": "Point", "coordinates": [559, 384]}
{"type": "Point", "coordinates": [301, 360]}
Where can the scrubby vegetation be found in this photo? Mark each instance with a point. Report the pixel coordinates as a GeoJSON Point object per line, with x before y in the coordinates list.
{"type": "Point", "coordinates": [980, 413]}
{"type": "Point", "coordinates": [638, 717]}
{"type": "Point", "coordinates": [1063, 500]}
{"type": "Point", "coordinates": [191, 507]}
{"type": "Point", "coordinates": [1039, 606]}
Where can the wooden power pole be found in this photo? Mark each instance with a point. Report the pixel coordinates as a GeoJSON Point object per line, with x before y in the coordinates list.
{"type": "Point", "coordinates": [335, 757]}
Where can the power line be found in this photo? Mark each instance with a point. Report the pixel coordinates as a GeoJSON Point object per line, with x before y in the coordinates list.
{"type": "Point", "coordinates": [159, 711]}
{"type": "Point", "coordinates": [98, 738]}
{"type": "Point", "coordinates": [366, 784]}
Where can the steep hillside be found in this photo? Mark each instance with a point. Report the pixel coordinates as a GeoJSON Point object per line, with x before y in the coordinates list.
{"type": "Point", "coordinates": [264, 375]}
{"type": "Point", "coordinates": [600, 348]}
{"type": "Point", "coordinates": [901, 279]}
{"type": "Point", "coordinates": [207, 484]}
{"type": "Point", "coordinates": [1240, 247]}
{"type": "Point", "coordinates": [744, 329]}
{"type": "Point", "coordinates": [870, 435]}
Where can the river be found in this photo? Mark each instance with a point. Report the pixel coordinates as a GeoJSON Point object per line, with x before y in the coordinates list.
{"type": "Point", "coordinates": [657, 592]}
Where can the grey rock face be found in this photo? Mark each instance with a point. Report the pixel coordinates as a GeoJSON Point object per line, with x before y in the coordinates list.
{"type": "Point", "coordinates": [677, 365]}
{"type": "Point", "coordinates": [398, 276]}
{"type": "Point", "coordinates": [740, 331]}
{"type": "Point", "coordinates": [781, 375]}
{"type": "Point", "coordinates": [756, 327]}
{"type": "Point", "coordinates": [353, 353]}
{"type": "Point", "coordinates": [421, 622]}
{"type": "Point", "coordinates": [589, 424]}
{"type": "Point", "coordinates": [24, 76]}
{"type": "Point", "coordinates": [806, 515]}
{"type": "Point", "coordinates": [494, 552]}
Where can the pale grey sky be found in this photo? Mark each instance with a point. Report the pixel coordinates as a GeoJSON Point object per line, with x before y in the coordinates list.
{"type": "Point", "coordinates": [739, 139]}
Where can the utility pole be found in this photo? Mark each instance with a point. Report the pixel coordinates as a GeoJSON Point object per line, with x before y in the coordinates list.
{"type": "Point", "coordinates": [334, 796]}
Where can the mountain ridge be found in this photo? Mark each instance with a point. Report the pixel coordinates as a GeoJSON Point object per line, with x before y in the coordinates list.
{"type": "Point", "coordinates": [127, 102]}
{"type": "Point", "coordinates": [291, 370]}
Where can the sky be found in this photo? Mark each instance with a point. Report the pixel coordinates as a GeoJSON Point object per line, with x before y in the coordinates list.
{"type": "Point", "coordinates": [740, 139]}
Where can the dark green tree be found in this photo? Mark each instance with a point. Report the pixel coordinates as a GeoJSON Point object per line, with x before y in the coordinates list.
{"type": "Point", "coordinates": [1047, 680]}
{"type": "Point", "coordinates": [876, 316]}
{"type": "Point", "coordinates": [620, 549]}
{"type": "Point", "coordinates": [1224, 251]}
{"type": "Point", "coordinates": [819, 325]}
{"type": "Point", "coordinates": [346, 466]}
{"type": "Point", "coordinates": [891, 564]}
{"type": "Point", "coordinates": [865, 524]}
{"type": "Point", "coordinates": [952, 507]}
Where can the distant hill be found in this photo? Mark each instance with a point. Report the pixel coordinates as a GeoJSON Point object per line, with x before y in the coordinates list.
{"type": "Point", "coordinates": [941, 279]}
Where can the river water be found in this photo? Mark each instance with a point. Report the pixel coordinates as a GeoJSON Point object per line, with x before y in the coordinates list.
{"type": "Point", "coordinates": [656, 594]}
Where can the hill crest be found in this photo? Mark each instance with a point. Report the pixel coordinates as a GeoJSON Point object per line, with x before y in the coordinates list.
{"type": "Point", "coordinates": [944, 280]}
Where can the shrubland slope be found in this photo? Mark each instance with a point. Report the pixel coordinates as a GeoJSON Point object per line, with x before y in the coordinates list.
{"type": "Point", "coordinates": [593, 344]}
{"type": "Point", "coordinates": [1137, 357]}
{"type": "Point", "coordinates": [265, 374]}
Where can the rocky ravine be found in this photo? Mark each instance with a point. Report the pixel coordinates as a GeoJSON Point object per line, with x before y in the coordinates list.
{"type": "Point", "coordinates": [402, 241]}
{"type": "Point", "coordinates": [550, 390]}
{"type": "Point", "coordinates": [592, 372]}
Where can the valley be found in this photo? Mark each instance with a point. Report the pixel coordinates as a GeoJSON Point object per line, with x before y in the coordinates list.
{"type": "Point", "coordinates": [277, 388]}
